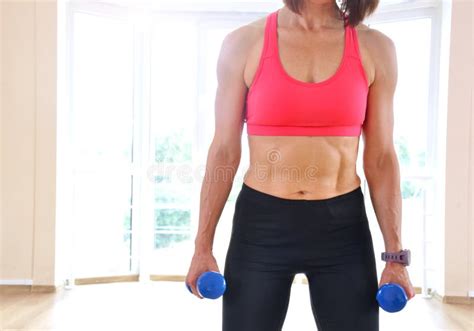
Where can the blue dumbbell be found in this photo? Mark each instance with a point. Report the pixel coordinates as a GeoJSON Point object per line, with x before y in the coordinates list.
{"type": "Point", "coordinates": [210, 285]}
{"type": "Point", "coordinates": [391, 297]}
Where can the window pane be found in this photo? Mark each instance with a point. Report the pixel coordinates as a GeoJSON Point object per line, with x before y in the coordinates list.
{"type": "Point", "coordinates": [102, 114]}
{"type": "Point", "coordinates": [173, 103]}
{"type": "Point", "coordinates": [102, 215]}
{"type": "Point", "coordinates": [102, 89]}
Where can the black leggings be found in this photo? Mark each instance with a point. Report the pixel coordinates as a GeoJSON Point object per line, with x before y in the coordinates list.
{"type": "Point", "coordinates": [274, 238]}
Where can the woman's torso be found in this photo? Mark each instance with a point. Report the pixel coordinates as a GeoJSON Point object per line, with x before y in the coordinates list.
{"type": "Point", "coordinates": [303, 166]}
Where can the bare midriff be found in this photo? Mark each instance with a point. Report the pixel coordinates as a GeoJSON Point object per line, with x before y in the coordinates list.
{"type": "Point", "coordinates": [303, 167]}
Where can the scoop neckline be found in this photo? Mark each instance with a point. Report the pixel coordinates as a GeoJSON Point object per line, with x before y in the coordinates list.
{"type": "Point", "coordinates": [300, 82]}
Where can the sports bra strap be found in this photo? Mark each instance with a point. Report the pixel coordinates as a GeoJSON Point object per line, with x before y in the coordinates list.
{"type": "Point", "coordinates": [352, 42]}
{"type": "Point", "coordinates": [270, 41]}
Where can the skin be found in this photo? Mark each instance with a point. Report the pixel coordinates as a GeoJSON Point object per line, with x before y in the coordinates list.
{"type": "Point", "coordinates": [333, 158]}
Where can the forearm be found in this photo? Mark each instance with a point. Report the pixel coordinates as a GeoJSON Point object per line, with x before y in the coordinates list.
{"type": "Point", "coordinates": [217, 184]}
{"type": "Point", "coordinates": [384, 185]}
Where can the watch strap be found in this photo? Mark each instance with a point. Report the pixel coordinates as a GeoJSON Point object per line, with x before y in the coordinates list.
{"type": "Point", "coordinates": [402, 257]}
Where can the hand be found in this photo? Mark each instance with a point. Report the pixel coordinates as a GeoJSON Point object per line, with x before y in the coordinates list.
{"type": "Point", "coordinates": [397, 273]}
{"type": "Point", "coordinates": [200, 263]}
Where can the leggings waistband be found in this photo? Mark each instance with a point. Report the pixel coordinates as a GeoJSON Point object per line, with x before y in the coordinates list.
{"type": "Point", "coordinates": [254, 193]}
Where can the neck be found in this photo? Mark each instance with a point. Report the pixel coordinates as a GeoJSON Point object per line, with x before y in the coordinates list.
{"type": "Point", "coordinates": [315, 15]}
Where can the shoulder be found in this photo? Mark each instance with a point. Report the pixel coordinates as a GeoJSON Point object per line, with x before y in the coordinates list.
{"type": "Point", "coordinates": [253, 29]}
{"type": "Point", "coordinates": [239, 42]}
{"type": "Point", "coordinates": [379, 48]}
{"type": "Point", "coordinates": [375, 40]}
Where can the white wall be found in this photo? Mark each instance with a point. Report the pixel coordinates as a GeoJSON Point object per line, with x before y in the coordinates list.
{"type": "Point", "coordinates": [1, 132]}
{"type": "Point", "coordinates": [459, 167]}
{"type": "Point", "coordinates": [28, 136]}
{"type": "Point", "coordinates": [471, 221]}
{"type": "Point", "coordinates": [471, 288]}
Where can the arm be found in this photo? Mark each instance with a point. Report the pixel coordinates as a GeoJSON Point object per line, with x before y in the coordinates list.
{"type": "Point", "coordinates": [224, 153]}
{"type": "Point", "coordinates": [380, 161]}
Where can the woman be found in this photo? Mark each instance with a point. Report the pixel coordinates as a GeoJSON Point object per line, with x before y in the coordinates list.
{"type": "Point", "coordinates": [306, 88]}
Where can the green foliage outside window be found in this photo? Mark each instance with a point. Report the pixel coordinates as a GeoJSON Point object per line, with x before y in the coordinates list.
{"type": "Point", "coordinates": [172, 226]}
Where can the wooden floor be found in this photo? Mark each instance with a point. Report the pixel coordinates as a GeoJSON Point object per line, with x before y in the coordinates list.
{"type": "Point", "coordinates": [135, 306]}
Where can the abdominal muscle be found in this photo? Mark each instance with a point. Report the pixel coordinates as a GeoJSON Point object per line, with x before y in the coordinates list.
{"type": "Point", "coordinates": [303, 167]}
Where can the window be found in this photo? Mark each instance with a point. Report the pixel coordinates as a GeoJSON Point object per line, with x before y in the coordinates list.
{"type": "Point", "coordinates": [143, 92]}
{"type": "Point", "coordinates": [174, 128]}
{"type": "Point", "coordinates": [102, 116]}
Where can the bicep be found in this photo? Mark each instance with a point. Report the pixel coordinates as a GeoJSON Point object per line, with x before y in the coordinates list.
{"type": "Point", "coordinates": [377, 130]}
{"type": "Point", "coordinates": [230, 93]}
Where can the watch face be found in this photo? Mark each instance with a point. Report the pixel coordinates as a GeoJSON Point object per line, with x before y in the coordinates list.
{"type": "Point", "coordinates": [408, 256]}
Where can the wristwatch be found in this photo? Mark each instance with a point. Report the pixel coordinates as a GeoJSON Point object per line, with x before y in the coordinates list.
{"type": "Point", "coordinates": [402, 256]}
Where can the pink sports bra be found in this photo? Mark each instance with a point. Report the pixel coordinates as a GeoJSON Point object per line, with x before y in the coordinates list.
{"type": "Point", "coordinates": [280, 105]}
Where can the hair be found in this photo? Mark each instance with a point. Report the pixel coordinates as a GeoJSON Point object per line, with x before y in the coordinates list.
{"type": "Point", "coordinates": [355, 10]}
